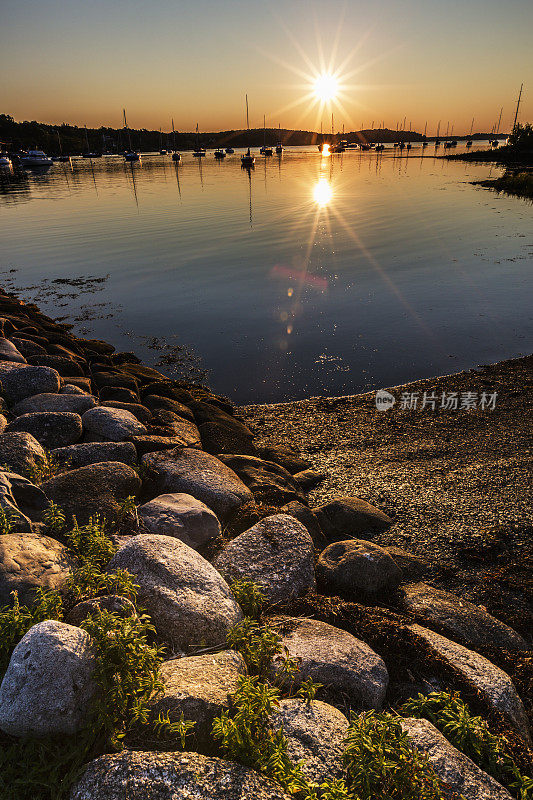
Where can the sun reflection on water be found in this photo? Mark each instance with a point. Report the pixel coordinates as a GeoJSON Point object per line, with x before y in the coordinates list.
{"type": "Point", "coordinates": [322, 192]}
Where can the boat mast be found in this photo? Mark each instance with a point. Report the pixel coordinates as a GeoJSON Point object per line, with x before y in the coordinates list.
{"type": "Point", "coordinates": [518, 106]}
{"type": "Point", "coordinates": [472, 126]}
{"type": "Point", "coordinates": [438, 129]}
{"type": "Point", "coordinates": [173, 137]}
{"type": "Point", "coordinates": [264, 132]}
{"type": "Point", "coordinates": [87, 140]}
{"type": "Point", "coordinates": [499, 120]}
{"type": "Point", "coordinates": [425, 129]}
{"type": "Point", "coordinates": [126, 126]}
{"type": "Point", "coordinates": [60, 146]}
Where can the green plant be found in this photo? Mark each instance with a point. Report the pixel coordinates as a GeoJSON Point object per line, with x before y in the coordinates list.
{"type": "Point", "coordinates": [91, 542]}
{"type": "Point", "coordinates": [47, 468]}
{"type": "Point", "coordinates": [258, 644]}
{"type": "Point", "coordinates": [128, 506]}
{"type": "Point", "coordinates": [16, 620]}
{"type": "Point", "coordinates": [381, 764]}
{"type": "Point", "coordinates": [308, 690]}
{"type": "Point", "coordinates": [54, 517]}
{"type": "Point", "coordinates": [6, 521]}
{"type": "Point", "coordinates": [249, 596]}
{"type": "Point", "coordinates": [178, 730]}
{"type": "Point", "coordinates": [472, 736]}
{"type": "Point", "coordinates": [88, 581]}
{"type": "Point", "coordinates": [522, 136]}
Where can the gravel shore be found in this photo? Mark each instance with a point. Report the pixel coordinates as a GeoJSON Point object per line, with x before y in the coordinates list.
{"type": "Point", "coordinates": [457, 483]}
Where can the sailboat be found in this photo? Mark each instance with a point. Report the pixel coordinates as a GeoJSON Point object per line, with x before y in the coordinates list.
{"type": "Point", "coordinates": [131, 154]}
{"type": "Point", "coordinates": [199, 152]}
{"type": "Point", "coordinates": [162, 151]}
{"type": "Point", "coordinates": [469, 141]}
{"type": "Point", "coordinates": [247, 160]}
{"type": "Point", "coordinates": [265, 151]}
{"type": "Point", "coordinates": [279, 146]}
{"type": "Point", "coordinates": [61, 157]}
{"type": "Point", "coordinates": [88, 154]}
{"type": "Point", "coordinates": [175, 155]}
{"type": "Point", "coordinates": [424, 143]}
{"type": "Point", "coordinates": [220, 153]}
{"type": "Point", "coordinates": [230, 151]}
{"type": "Point", "coordinates": [437, 140]}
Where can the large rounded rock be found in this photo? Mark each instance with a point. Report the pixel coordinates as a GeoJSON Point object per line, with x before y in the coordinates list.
{"type": "Point", "coordinates": [167, 423]}
{"type": "Point", "coordinates": [95, 489]}
{"type": "Point", "coordinates": [8, 352]}
{"type": "Point", "coordinates": [78, 403]}
{"type": "Point", "coordinates": [315, 734]}
{"type": "Point", "coordinates": [491, 681]}
{"type": "Point", "coordinates": [277, 553]}
{"type": "Point", "coordinates": [48, 685]}
{"type": "Point", "coordinates": [357, 566]}
{"type": "Point", "coordinates": [452, 767]}
{"type": "Point", "coordinates": [114, 424]}
{"type": "Point", "coordinates": [350, 516]}
{"type": "Point", "coordinates": [344, 665]}
{"type": "Point", "coordinates": [172, 776]}
{"type": "Point", "coordinates": [66, 366]}
{"type": "Point", "coordinates": [189, 602]}
{"type": "Point", "coordinates": [20, 380]}
{"type": "Point", "coordinates": [197, 473]}
{"type": "Point", "coordinates": [50, 428]}
{"type": "Point", "coordinates": [21, 452]}
{"type": "Point", "coordinates": [308, 519]}
{"type": "Point", "coordinates": [457, 618]}
{"type": "Point", "coordinates": [81, 455]}
{"type": "Point", "coordinates": [181, 516]}
{"type": "Point", "coordinates": [268, 482]}
{"type": "Point", "coordinates": [29, 561]}
{"type": "Point", "coordinates": [199, 687]}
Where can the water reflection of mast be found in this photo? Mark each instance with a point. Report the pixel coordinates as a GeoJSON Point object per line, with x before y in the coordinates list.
{"type": "Point", "coordinates": [249, 171]}
{"type": "Point", "coordinates": [201, 173]}
{"type": "Point", "coordinates": [130, 165]}
{"type": "Point", "coordinates": [178, 180]}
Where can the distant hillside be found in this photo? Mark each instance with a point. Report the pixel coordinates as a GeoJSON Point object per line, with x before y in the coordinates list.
{"type": "Point", "coordinates": [22, 135]}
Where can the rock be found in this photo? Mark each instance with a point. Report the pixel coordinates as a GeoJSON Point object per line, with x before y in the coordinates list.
{"type": "Point", "coordinates": [453, 768]}
{"type": "Point", "coordinates": [139, 412]}
{"type": "Point", "coordinates": [270, 483]}
{"type": "Point", "coordinates": [19, 381]}
{"type": "Point", "coordinates": [169, 424]}
{"type": "Point", "coordinates": [308, 519]}
{"type": "Point", "coordinates": [48, 684]}
{"type": "Point", "coordinates": [315, 732]}
{"type": "Point", "coordinates": [199, 687]}
{"type": "Point", "coordinates": [131, 775]}
{"type": "Point", "coordinates": [18, 521]}
{"type": "Point", "coordinates": [65, 366]}
{"type": "Point", "coordinates": [113, 603]}
{"type": "Point", "coordinates": [3, 423]}
{"type": "Point", "coordinates": [197, 473]}
{"type": "Point", "coordinates": [81, 383]}
{"type": "Point", "coordinates": [30, 499]}
{"type": "Point", "coordinates": [27, 347]}
{"type": "Point", "coordinates": [21, 452]}
{"type": "Point", "coordinates": [154, 402]}
{"type": "Point", "coordinates": [413, 567]}
{"type": "Point", "coordinates": [350, 516]}
{"type": "Point", "coordinates": [344, 665]}
{"type": "Point", "coordinates": [81, 455]}
{"type": "Point", "coordinates": [118, 394]}
{"type": "Point", "coordinates": [181, 516]}
{"type": "Point", "coordinates": [95, 489]}
{"type": "Point", "coordinates": [309, 478]}
{"type": "Point", "coordinates": [29, 561]}
{"type": "Point", "coordinates": [357, 566]}
{"type": "Point", "coordinates": [496, 686]}
{"type": "Point", "coordinates": [221, 432]}
{"type": "Point", "coordinates": [70, 388]}
{"type": "Point", "coordinates": [8, 352]}
{"type": "Point", "coordinates": [190, 604]}
{"type": "Point", "coordinates": [457, 618]}
{"type": "Point", "coordinates": [277, 553]}
{"type": "Point", "coordinates": [113, 424]}
{"type": "Point", "coordinates": [50, 428]}
{"type": "Point", "coordinates": [153, 444]}
{"type": "Point", "coordinates": [287, 457]}
{"type": "Point", "coordinates": [119, 379]}
{"type": "Point", "coordinates": [55, 402]}
{"type": "Point", "coordinates": [165, 389]}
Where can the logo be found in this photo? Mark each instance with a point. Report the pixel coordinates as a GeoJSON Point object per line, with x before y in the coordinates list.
{"type": "Point", "coordinates": [384, 400]}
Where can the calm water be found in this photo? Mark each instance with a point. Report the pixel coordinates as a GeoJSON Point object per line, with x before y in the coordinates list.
{"type": "Point", "coordinates": [308, 276]}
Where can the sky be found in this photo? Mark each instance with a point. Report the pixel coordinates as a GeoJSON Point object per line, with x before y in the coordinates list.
{"type": "Point", "coordinates": [425, 60]}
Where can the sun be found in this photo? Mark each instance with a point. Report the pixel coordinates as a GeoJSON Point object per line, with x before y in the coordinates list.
{"type": "Point", "coordinates": [326, 87]}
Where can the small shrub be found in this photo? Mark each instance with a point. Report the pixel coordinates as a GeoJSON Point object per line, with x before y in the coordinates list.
{"type": "Point", "coordinates": [258, 644]}
{"type": "Point", "coordinates": [472, 736]}
{"type": "Point", "coordinates": [381, 764]}
{"type": "Point", "coordinates": [16, 620]}
{"type": "Point", "coordinates": [6, 521]}
{"type": "Point", "coordinates": [54, 517]}
{"type": "Point", "coordinates": [46, 469]}
{"type": "Point", "coordinates": [91, 542]}
{"type": "Point", "coordinates": [250, 598]}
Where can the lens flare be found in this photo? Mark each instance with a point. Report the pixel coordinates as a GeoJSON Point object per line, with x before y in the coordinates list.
{"type": "Point", "coordinates": [326, 87]}
{"type": "Point", "coordinates": [322, 193]}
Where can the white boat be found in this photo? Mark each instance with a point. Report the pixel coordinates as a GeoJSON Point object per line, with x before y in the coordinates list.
{"type": "Point", "coordinates": [265, 150]}
{"type": "Point", "coordinates": [5, 162]}
{"type": "Point", "coordinates": [36, 158]}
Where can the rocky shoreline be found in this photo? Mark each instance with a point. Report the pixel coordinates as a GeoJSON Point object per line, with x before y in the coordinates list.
{"type": "Point", "coordinates": [269, 555]}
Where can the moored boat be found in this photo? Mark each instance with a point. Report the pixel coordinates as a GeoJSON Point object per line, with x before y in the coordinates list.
{"type": "Point", "coordinates": [220, 154]}
{"type": "Point", "coordinates": [131, 154]}
{"type": "Point", "coordinates": [36, 158]}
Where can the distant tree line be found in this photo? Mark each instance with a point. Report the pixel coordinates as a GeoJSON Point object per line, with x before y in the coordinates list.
{"type": "Point", "coordinates": [73, 140]}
